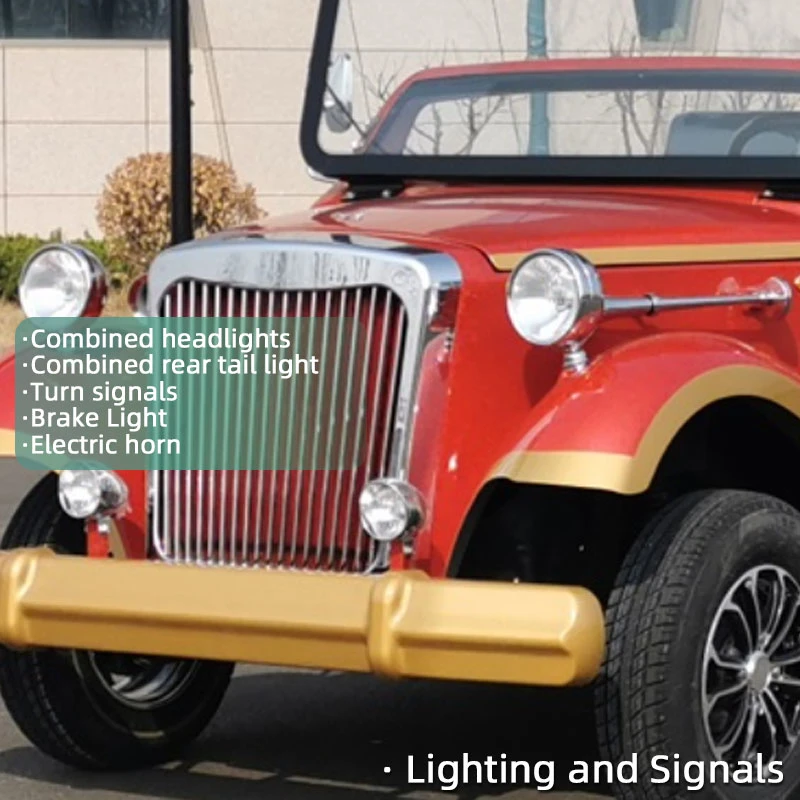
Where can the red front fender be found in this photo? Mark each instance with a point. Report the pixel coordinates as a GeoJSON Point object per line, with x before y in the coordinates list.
{"type": "Point", "coordinates": [609, 428]}
{"type": "Point", "coordinates": [7, 406]}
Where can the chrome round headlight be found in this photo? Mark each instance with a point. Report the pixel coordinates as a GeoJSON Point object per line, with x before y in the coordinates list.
{"type": "Point", "coordinates": [554, 296]}
{"type": "Point", "coordinates": [390, 509]}
{"type": "Point", "coordinates": [62, 281]}
{"type": "Point", "coordinates": [89, 493]}
{"type": "Point", "coordinates": [80, 493]}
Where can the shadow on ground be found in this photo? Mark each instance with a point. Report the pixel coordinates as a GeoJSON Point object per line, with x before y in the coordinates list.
{"type": "Point", "coordinates": [322, 737]}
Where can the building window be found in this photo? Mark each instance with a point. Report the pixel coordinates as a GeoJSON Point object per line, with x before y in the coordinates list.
{"type": "Point", "coordinates": [84, 19]}
{"type": "Point", "coordinates": [664, 20]}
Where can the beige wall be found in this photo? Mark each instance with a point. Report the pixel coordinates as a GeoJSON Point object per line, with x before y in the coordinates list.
{"type": "Point", "coordinates": [71, 112]}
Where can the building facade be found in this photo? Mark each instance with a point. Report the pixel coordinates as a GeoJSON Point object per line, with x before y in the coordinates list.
{"type": "Point", "coordinates": [85, 83]}
{"type": "Point", "coordinates": [74, 108]}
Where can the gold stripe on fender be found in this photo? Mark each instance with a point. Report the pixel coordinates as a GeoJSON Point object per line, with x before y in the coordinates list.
{"type": "Point", "coordinates": [632, 474]}
{"type": "Point", "coordinates": [671, 254]}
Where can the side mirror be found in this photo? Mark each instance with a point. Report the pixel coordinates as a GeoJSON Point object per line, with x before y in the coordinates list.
{"type": "Point", "coordinates": [338, 104]}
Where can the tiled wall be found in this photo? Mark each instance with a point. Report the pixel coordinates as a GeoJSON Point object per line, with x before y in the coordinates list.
{"type": "Point", "coordinates": [71, 112]}
{"type": "Point", "coordinates": [256, 68]}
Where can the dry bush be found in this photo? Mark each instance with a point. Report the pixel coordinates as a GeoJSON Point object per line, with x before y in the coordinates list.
{"type": "Point", "coordinates": [134, 210]}
{"type": "Point", "coordinates": [10, 316]}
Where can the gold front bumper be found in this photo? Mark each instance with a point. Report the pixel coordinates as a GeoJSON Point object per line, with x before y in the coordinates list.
{"type": "Point", "coordinates": [401, 625]}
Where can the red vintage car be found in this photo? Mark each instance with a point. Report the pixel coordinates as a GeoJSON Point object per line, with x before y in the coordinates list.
{"type": "Point", "coordinates": [579, 400]}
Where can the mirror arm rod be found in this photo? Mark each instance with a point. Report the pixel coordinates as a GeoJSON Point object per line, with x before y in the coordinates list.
{"type": "Point", "coordinates": [182, 221]}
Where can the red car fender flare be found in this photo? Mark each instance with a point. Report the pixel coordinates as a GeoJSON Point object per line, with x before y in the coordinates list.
{"type": "Point", "coordinates": [7, 424]}
{"type": "Point", "coordinates": [609, 428]}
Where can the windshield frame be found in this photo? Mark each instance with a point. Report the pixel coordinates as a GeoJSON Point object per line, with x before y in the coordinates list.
{"type": "Point", "coordinates": [370, 168]}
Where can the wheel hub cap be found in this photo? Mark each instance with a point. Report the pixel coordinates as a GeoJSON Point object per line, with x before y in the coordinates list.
{"type": "Point", "coordinates": [759, 672]}
{"type": "Point", "coordinates": [751, 669]}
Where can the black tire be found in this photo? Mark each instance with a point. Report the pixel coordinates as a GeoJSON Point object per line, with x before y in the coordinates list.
{"type": "Point", "coordinates": [655, 686]}
{"type": "Point", "coordinates": [60, 699]}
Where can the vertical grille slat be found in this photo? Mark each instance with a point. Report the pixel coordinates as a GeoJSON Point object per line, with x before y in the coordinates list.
{"type": "Point", "coordinates": [251, 444]}
{"type": "Point", "coordinates": [394, 371]}
{"type": "Point", "coordinates": [349, 365]}
{"type": "Point", "coordinates": [343, 422]}
{"type": "Point", "coordinates": [303, 345]}
{"type": "Point", "coordinates": [213, 495]}
{"type": "Point", "coordinates": [202, 444]}
{"type": "Point", "coordinates": [308, 434]}
{"type": "Point", "coordinates": [361, 407]}
{"type": "Point", "coordinates": [191, 511]}
{"type": "Point", "coordinates": [175, 478]}
{"type": "Point", "coordinates": [162, 485]}
{"type": "Point", "coordinates": [238, 410]}
{"type": "Point", "coordinates": [289, 431]}
{"type": "Point", "coordinates": [265, 411]}
{"type": "Point", "coordinates": [330, 435]}
{"type": "Point", "coordinates": [225, 419]}
{"type": "Point", "coordinates": [317, 432]}
{"type": "Point", "coordinates": [380, 381]}
{"type": "Point", "coordinates": [345, 466]}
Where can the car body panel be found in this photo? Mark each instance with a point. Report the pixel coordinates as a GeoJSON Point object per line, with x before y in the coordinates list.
{"type": "Point", "coordinates": [560, 449]}
{"type": "Point", "coordinates": [489, 407]}
{"type": "Point", "coordinates": [515, 391]}
{"type": "Point", "coordinates": [613, 226]}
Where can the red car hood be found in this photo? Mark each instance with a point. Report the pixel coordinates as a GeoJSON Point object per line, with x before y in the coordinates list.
{"type": "Point", "coordinates": [515, 220]}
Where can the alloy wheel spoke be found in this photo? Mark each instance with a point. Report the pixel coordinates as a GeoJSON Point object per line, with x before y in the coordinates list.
{"type": "Point", "coordinates": [784, 629]}
{"type": "Point", "coordinates": [133, 683]}
{"type": "Point", "coordinates": [725, 663]}
{"type": "Point", "coordinates": [782, 679]}
{"type": "Point", "coordinates": [770, 756]}
{"type": "Point", "coordinates": [739, 686]}
{"type": "Point", "coordinates": [141, 682]}
{"type": "Point", "coordinates": [739, 613]}
{"type": "Point", "coordinates": [779, 596]}
{"type": "Point", "coordinates": [735, 731]}
{"type": "Point", "coordinates": [750, 736]}
{"type": "Point", "coordinates": [790, 659]}
{"type": "Point", "coordinates": [778, 717]}
{"type": "Point", "coordinates": [758, 631]}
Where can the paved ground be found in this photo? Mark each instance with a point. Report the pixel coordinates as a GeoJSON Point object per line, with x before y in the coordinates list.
{"type": "Point", "coordinates": [293, 736]}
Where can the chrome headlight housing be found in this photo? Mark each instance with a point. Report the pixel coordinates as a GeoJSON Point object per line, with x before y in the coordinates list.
{"type": "Point", "coordinates": [61, 280]}
{"type": "Point", "coordinates": [555, 297]}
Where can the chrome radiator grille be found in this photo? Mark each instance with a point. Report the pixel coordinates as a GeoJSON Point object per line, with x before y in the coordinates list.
{"type": "Point", "coordinates": [293, 519]}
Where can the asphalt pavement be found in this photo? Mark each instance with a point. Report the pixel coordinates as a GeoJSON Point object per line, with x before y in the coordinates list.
{"type": "Point", "coordinates": [287, 735]}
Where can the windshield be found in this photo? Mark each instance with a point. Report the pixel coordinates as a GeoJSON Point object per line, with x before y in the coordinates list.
{"type": "Point", "coordinates": [521, 89]}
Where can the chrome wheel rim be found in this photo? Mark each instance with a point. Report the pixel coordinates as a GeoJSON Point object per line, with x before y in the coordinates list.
{"type": "Point", "coordinates": [751, 669]}
{"type": "Point", "coordinates": [141, 683]}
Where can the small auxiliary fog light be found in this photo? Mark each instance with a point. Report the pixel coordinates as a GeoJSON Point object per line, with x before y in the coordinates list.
{"type": "Point", "coordinates": [390, 509]}
{"type": "Point", "coordinates": [91, 493]}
